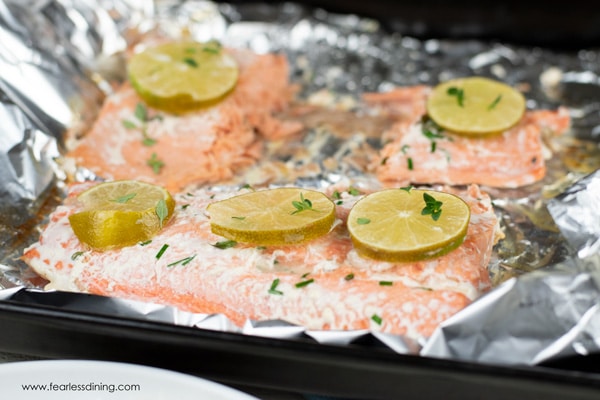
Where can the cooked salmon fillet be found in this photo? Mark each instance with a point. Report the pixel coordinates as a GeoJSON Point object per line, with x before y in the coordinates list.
{"type": "Point", "coordinates": [194, 274]}
{"type": "Point", "coordinates": [509, 159]}
{"type": "Point", "coordinates": [210, 145]}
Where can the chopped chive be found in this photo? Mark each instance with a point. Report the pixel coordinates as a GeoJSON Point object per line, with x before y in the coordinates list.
{"type": "Point", "coordinates": [304, 275]}
{"type": "Point", "coordinates": [225, 244]}
{"type": "Point", "coordinates": [183, 261]}
{"type": "Point", "coordinates": [213, 46]}
{"type": "Point", "coordinates": [377, 319]}
{"type": "Point", "coordinates": [304, 283]}
{"type": "Point", "coordinates": [425, 288]}
{"type": "Point", "coordinates": [145, 243]}
{"type": "Point", "coordinates": [275, 261]}
{"type": "Point", "coordinates": [409, 162]}
{"type": "Point", "coordinates": [211, 50]}
{"type": "Point", "coordinates": [239, 218]}
{"type": "Point", "coordinates": [191, 62]}
{"type": "Point", "coordinates": [184, 206]}
{"type": "Point", "coordinates": [433, 146]}
{"type": "Point", "coordinates": [339, 202]}
{"type": "Point", "coordinates": [247, 186]}
{"type": "Point", "coordinates": [261, 247]}
{"type": "Point", "coordinates": [162, 251]}
{"type": "Point", "coordinates": [76, 255]}
{"type": "Point", "coordinates": [363, 221]}
{"type": "Point", "coordinates": [336, 195]}
{"type": "Point", "coordinates": [125, 198]}
{"type": "Point", "coordinates": [384, 160]}
{"type": "Point", "coordinates": [273, 288]}
{"type": "Point", "coordinates": [386, 283]}
{"type": "Point", "coordinates": [494, 103]}
{"type": "Point", "coordinates": [349, 277]}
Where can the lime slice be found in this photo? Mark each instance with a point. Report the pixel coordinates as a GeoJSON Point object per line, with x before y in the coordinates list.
{"type": "Point", "coordinates": [279, 216]}
{"type": "Point", "coordinates": [182, 76]}
{"type": "Point", "coordinates": [475, 106]}
{"type": "Point", "coordinates": [121, 213]}
{"type": "Point", "coordinates": [407, 225]}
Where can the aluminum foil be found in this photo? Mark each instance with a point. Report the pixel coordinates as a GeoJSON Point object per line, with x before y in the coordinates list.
{"type": "Point", "coordinates": [59, 58]}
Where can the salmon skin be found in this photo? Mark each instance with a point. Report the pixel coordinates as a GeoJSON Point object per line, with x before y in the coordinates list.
{"type": "Point", "coordinates": [418, 152]}
{"type": "Point", "coordinates": [321, 285]}
{"type": "Point", "coordinates": [131, 141]}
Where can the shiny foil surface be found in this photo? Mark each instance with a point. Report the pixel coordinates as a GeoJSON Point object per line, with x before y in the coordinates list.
{"type": "Point", "coordinates": [59, 59]}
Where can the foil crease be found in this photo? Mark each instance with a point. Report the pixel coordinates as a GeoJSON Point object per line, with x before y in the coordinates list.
{"type": "Point", "coordinates": [577, 214]}
{"type": "Point", "coordinates": [59, 59]}
{"type": "Point", "coordinates": [541, 316]}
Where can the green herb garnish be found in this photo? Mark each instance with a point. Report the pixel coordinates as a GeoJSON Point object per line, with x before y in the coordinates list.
{"type": "Point", "coordinates": [183, 261]}
{"type": "Point", "coordinates": [155, 163]}
{"type": "Point", "coordinates": [459, 93]}
{"type": "Point", "coordinates": [432, 207]}
{"type": "Point", "coordinates": [147, 140]}
{"type": "Point", "coordinates": [145, 243]}
{"type": "Point", "coordinates": [386, 283]}
{"type": "Point", "coordinates": [239, 218]}
{"type": "Point", "coordinates": [76, 255]}
{"type": "Point", "coordinates": [191, 62]}
{"type": "Point", "coordinates": [273, 288]}
{"type": "Point", "coordinates": [141, 112]}
{"type": "Point", "coordinates": [354, 192]}
{"type": "Point", "coordinates": [162, 251]}
{"type": "Point", "coordinates": [225, 244]}
{"type": "Point", "coordinates": [349, 277]}
{"type": "Point", "coordinates": [409, 163]}
{"type": "Point", "coordinates": [129, 125]}
{"type": "Point", "coordinates": [494, 103]}
{"type": "Point", "coordinates": [304, 283]}
{"type": "Point", "coordinates": [407, 189]}
{"type": "Point", "coordinates": [302, 205]}
{"type": "Point", "coordinates": [161, 211]}
{"type": "Point", "coordinates": [378, 320]}
{"type": "Point", "coordinates": [363, 221]}
{"type": "Point", "coordinates": [125, 198]}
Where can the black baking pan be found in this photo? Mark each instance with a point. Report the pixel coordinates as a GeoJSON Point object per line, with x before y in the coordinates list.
{"type": "Point", "coordinates": [362, 371]}
{"type": "Point", "coordinates": [359, 371]}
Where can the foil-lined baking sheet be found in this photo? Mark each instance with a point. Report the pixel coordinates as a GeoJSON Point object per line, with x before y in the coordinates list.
{"type": "Point", "coordinates": [59, 59]}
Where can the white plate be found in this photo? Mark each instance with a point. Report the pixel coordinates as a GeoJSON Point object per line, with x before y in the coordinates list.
{"type": "Point", "coordinates": [100, 380]}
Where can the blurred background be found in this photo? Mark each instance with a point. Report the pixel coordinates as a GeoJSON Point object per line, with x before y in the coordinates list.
{"type": "Point", "coordinates": [552, 23]}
